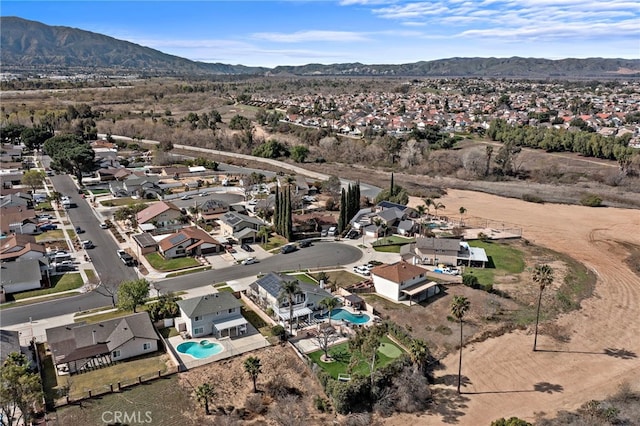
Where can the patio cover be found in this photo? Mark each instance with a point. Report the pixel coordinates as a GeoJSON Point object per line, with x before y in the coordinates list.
{"type": "Point", "coordinates": [419, 288]}
{"type": "Point", "coordinates": [234, 322]}
{"type": "Point", "coordinates": [299, 312]}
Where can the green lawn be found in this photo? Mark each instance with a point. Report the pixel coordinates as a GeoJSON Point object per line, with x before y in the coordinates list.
{"type": "Point", "coordinates": [387, 352]}
{"type": "Point", "coordinates": [503, 260]}
{"type": "Point", "coordinates": [119, 202]}
{"type": "Point", "coordinates": [274, 242]}
{"type": "Point", "coordinates": [98, 191]}
{"type": "Point", "coordinates": [91, 276]}
{"type": "Point", "coordinates": [72, 234]}
{"type": "Point", "coordinates": [190, 271]}
{"type": "Point", "coordinates": [341, 278]}
{"type": "Point", "coordinates": [305, 278]}
{"type": "Point", "coordinates": [55, 234]}
{"type": "Point", "coordinates": [162, 264]}
{"type": "Point", "coordinates": [46, 206]}
{"type": "Point", "coordinates": [68, 281]}
{"type": "Point", "coordinates": [394, 239]}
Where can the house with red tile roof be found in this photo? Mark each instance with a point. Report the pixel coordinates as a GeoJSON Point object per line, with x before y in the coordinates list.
{"type": "Point", "coordinates": [160, 216]}
{"type": "Point", "coordinates": [20, 247]}
{"type": "Point", "coordinates": [190, 241]}
{"type": "Point", "coordinates": [403, 281]}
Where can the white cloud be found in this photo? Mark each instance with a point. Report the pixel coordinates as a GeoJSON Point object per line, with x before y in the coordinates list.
{"type": "Point", "coordinates": [311, 36]}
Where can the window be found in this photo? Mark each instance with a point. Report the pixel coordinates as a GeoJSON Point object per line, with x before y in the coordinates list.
{"type": "Point", "coordinates": [232, 310]}
{"type": "Point", "coordinates": [115, 354]}
{"type": "Point", "coordinates": [197, 331]}
{"type": "Point", "coordinates": [146, 346]}
{"type": "Point", "coordinates": [197, 318]}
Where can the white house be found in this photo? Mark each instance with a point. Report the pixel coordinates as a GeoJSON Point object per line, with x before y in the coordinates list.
{"type": "Point", "coordinates": [218, 314]}
{"type": "Point", "coordinates": [21, 275]}
{"type": "Point", "coordinates": [268, 289]}
{"type": "Point", "coordinates": [81, 347]}
{"type": "Point", "coordinates": [403, 281]}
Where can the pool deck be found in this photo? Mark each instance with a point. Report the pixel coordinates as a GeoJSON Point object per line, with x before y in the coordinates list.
{"type": "Point", "coordinates": [232, 347]}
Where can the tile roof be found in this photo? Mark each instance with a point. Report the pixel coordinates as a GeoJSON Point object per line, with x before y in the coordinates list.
{"type": "Point", "coordinates": [148, 214]}
{"type": "Point", "coordinates": [398, 272]}
{"type": "Point", "coordinates": [195, 236]}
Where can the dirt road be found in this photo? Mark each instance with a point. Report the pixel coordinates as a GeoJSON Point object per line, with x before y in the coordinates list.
{"type": "Point", "coordinates": [503, 377]}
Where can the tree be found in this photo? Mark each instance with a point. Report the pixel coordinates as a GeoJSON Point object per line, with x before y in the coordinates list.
{"type": "Point", "coordinates": [131, 294]}
{"type": "Point", "coordinates": [263, 234]}
{"type": "Point", "coordinates": [459, 307]}
{"type": "Point", "coordinates": [33, 138]}
{"type": "Point", "coordinates": [329, 303]}
{"type": "Point", "coordinates": [204, 394]}
{"type": "Point", "coordinates": [325, 337]}
{"type": "Point", "coordinates": [33, 179]}
{"type": "Point", "coordinates": [419, 353]}
{"type": "Point", "coordinates": [462, 211]}
{"type": "Point", "coordinates": [487, 168]}
{"type": "Point", "coordinates": [253, 367]}
{"type": "Point", "coordinates": [299, 153]}
{"type": "Point", "coordinates": [437, 206]}
{"type": "Point", "coordinates": [288, 292]}
{"type": "Point", "coordinates": [366, 342]}
{"type": "Point", "coordinates": [70, 154]}
{"type": "Point", "coordinates": [332, 186]}
{"type": "Point", "coordinates": [543, 276]}
{"type": "Point", "coordinates": [511, 421]}
{"type": "Point", "coordinates": [20, 390]}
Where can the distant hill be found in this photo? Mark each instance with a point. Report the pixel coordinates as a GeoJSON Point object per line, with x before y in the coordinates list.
{"type": "Point", "coordinates": [32, 46]}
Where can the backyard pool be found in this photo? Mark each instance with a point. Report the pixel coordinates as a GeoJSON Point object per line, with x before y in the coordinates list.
{"type": "Point", "coordinates": [201, 349]}
{"type": "Point", "coordinates": [343, 314]}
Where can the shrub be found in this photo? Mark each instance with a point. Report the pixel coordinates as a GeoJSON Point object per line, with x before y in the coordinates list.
{"type": "Point", "coordinates": [321, 404]}
{"type": "Point", "coordinates": [470, 281]}
{"type": "Point", "coordinates": [280, 331]}
{"type": "Point", "coordinates": [591, 200]}
{"type": "Point", "coordinates": [532, 198]}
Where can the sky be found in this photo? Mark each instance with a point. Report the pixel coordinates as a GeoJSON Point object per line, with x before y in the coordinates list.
{"type": "Point", "coordinates": [298, 32]}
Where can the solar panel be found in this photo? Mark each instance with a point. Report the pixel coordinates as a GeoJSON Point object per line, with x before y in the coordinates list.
{"type": "Point", "coordinates": [177, 239]}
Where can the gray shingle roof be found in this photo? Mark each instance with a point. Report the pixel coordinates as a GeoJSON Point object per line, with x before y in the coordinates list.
{"type": "Point", "coordinates": [204, 305]}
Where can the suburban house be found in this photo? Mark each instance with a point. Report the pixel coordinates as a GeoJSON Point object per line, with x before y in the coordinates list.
{"type": "Point", "coordinates": [447, 251]}
{"type": "Point", "coordinates": [266, 292]}
{"type": "Point", "coordinates": [20, 247]}
{"type": "Point", "coordinates": [218, 314]}
{"type": "Point", "coordinates": [23, 275]}
{"type": "Point", "coordinates": [78, 347]}
{"type": "Point", "coordinates": [406, 227]}
{"type": "Point", "coordinates": [190, 241]}
{"type": "Point", "coordinates": [433, 251]}
{"type": "Point", "coordinates": [145, 243]}
{"type": "Point", "coordinates": [143, 186]}
{"type": "Point", "coordinates": [18, 220]}
{"type": "Point", "coordinates": [160, 216]}
{"type": "Point", "coordinates": [403, 281]}
{"type": "Point", "coordinates": [240, 227]}
{"type": "Point", "coordinates": [18, 199]}
{"type": "Point", "coordinates": [11, 179]}
{"type": "Point", "coordinates": [210, 210]}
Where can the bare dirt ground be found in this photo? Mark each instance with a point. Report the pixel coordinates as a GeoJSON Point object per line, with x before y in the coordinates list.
{"type": "Point", "coordinates": [502, 376]}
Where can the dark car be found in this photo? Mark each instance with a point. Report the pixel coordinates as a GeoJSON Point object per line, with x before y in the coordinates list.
{"type": "Point", "coordinates": [304, 243]}
{"type": "Point", "coordinates": [287, 248]}
{"type": "Point", "coordinates": [79, 230]}
{"type": "Point", "coordinates": [246, 247]}
{"type": "Point", "coordinates": [48, 227]}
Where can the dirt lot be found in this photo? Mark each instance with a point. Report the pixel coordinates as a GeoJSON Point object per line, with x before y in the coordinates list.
{"type": "Point", "coordinates": [502, 375]}
{"type": "Point", "coordinates": [286, 389]}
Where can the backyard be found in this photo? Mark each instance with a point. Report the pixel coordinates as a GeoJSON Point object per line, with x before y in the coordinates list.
{"type": "Point", "coordinates": [387, 352]}
{"type": "Point", "coordinates": [59, 283]}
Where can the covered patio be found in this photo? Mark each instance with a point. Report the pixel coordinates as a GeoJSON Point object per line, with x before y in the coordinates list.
{"type": "Point", "coordinates": [298, 312]}
{"type": "Point", "coordinates": [423, 291]}
{"type": "Point", "coordinates": [230, 327]}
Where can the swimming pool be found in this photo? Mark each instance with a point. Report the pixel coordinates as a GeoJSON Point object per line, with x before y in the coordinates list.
{"type": "Point", "coordinates": [343, 314]}
{"type": "Point", "coordinates": [201, 349]}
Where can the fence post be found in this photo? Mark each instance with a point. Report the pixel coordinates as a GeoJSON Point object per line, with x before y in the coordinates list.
{"type": "Point", "coordinates": [89, 394]}
{"type": "Point", "coordinates": [119, 388]}
{"type": "Point", "coordinates": [139, 379]}
{"type": "Point", "coordinates": [111, 387]}
{"type": "Point", "coordinates": [159, 373]}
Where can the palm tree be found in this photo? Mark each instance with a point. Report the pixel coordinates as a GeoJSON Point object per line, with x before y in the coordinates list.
{"type": "Point", "coordinates": [543, 276]}
{"type": "Point", "coordinates": [437, 206]}
{"type": "Point", "coordinates": [263, 233]}
{"type": "Point", "coordinates": [253, 367]}
{"type": "Point", "coordinates": [419, 353]}
{"type": "Point", "coordinates": [330, 303]}
{"type": "Point", "coordinates": [204, 394]}
{"type": "Point", "coordinates": [459, 307]}
{"type": "Point", "coordinates": [462, 211]}
{"type": "Point", "coordinates": [428, 203]}
{"type": "Point", "coordinates": [288, 291]}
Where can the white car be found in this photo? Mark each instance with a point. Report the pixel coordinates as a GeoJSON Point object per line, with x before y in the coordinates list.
{"type": "Point", "coordinates": [103, 225]}
{"type": "Point", "coordinates": [361, 269]}
{"type": "Point", "coordinates": [249, 261]}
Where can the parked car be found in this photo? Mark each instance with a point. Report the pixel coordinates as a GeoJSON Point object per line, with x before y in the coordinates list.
{"type": "Point", "coordinates": [103, 225]}
{"type": "Point", "coordinates": [361, 269]}
{"type": "Point", "coordinates": [79, 230]}
{"type": "Point", "coordinates": [126, 258]}
{"type": "Point", "coordinates": [287, 248]}
{"type": "Point", "coordinates": [204, 193]}
{"type": "Point", "coordinates": [48, 227]}
{"type": "Point", "coordinates": [249, 261]}
{"type": "Point", "coordinates": [304, 243]}
{"type": "Point", "coordinates": [353, 234]}
{"type": "Point", "coordinates": [247, 247]}
{"type": "Point", "coordinates": [332, 231]}
{"type": "Point", "coordinates": [185, 197]}
{"type": "Point", "coordinates": [87, 244]}
{"type": "Point", "coordinates": [44, 217]}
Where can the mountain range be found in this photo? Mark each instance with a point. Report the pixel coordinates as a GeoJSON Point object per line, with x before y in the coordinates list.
{"type": "Point", "coordinates": [29, 46]}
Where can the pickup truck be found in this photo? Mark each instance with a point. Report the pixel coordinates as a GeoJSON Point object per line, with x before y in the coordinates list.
{"type": "Point", "coordinates": [126, 258]}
